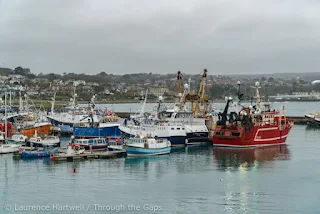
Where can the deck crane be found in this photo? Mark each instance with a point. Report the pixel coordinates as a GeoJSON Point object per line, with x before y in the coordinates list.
{"type": "Point", "coordinates": [202, 98]}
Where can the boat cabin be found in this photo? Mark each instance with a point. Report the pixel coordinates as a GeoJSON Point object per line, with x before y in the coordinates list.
{"type": "Point", "coordinates": [88, 142]}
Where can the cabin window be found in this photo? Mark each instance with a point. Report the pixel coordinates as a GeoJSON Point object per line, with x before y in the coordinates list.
{"type": "Point", "coordinates": [172, 128]}
{"type": "Point", "coordinates": [236, 134]}
{"type": "Point", "coordinates": [178, 128]}
{"type": "Point", "coordinates": [182, 128]}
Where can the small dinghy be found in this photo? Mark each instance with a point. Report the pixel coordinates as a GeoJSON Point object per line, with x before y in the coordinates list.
{"type": "Point", "coordinates": [8, 148]}
{"type": "Point", "coordinates": [73, 152]}
{"type": "Point", "coordinates": [115, 145]}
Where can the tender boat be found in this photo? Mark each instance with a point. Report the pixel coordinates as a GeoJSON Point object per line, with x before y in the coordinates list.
{"type": "Point", "coordinates": [94, 143]}
{"type": "Point", "coordinates": [72, 151]}
{"type": "Point", "coordinates": [147, 146]}
{"type": "Point", "coordinates": [253, 126]}
{"type": "Point", "coordinates": [115, 145]}
{"type": "Point", "coordinates": [313, 119]}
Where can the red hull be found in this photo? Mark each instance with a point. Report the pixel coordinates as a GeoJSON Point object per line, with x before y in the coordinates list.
{"type": "Point", "coordinates": [267, 135]}
{"type": "Point", "coordinates": [3, 128]}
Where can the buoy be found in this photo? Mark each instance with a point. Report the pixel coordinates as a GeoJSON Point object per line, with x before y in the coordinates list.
{"type": "Point", "coordinates": [74, 169]}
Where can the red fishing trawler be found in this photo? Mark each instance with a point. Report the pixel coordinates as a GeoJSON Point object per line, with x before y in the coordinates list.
{"type": "Point", "coordinates": [252, 127]}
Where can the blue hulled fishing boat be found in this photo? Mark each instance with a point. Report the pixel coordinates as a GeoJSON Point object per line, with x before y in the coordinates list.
{"type": "Point", "coordinates": [147, 146]}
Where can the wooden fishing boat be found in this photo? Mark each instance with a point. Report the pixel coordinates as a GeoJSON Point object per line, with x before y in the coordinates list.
{"type": "Point", "coordinates": [45, 141]}
{"type": "Point", "coordinates": [42, 128]}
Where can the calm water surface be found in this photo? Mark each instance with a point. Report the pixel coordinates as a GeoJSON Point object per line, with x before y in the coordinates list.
{"type": "Point", "coordinates": [282, 179]}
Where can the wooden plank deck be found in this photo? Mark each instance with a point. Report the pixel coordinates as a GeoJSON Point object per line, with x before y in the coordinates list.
{"type": "Point", "coordinates": [62, 156]}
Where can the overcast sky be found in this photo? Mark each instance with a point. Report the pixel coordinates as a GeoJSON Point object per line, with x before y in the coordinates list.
{"type": "Point", "coordinates": [130, 36]}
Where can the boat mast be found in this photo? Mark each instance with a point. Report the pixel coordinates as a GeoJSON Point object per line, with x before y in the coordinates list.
{"type": "Point", "coordinates": [179, 82]}
{"type": "Point", "coordinates": [52, 103]}
{"type": "Point", "coordinates": [10, 103]}
{"type": "Point", "coordinates": [5, 114]}
{"type": "Point", "coordinates": [75, 84]}
{"type": "Point", "coordinates": [144, 104]}
{"type": "Point", "coordinates": [20, 101]}
{"type": "Point", "coordinates": [258, 97]}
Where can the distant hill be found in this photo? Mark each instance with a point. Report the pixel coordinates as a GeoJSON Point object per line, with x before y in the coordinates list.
{"type": "Point", "coordinates": [306, 76]}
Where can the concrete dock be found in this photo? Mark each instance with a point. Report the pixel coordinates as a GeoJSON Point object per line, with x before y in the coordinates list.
{"type": "Point", "coordinates": [89, 155]}
{"type": "Point", "coordinates": [63, 156]}
{"type": "Point", "coordinates": [298, 120]}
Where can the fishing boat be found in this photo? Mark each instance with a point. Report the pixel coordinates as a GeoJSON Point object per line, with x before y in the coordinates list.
{"type": "Point", "coordinates": [143, 124]}
{"type": "Point", "coordinates": [46, 152]}
{"type": "Point", "coordinates": [85, 122]}
{"type": "Point", "coordinates": [17, 139]}
{"type": "Point", "coordinates": [147, 146]}
{"type": "Point", "coordinates": [252, 126]}
{"type": "Point", "coordinates": [73, 113]}
{"type": "Point", "coordinates": [38, 141]}
{"type": "Point", "coordinates": [42, 128]}
{"type": "Point", "coordinates": [93, 143]}
{"type": "Point", "coordinates": [96, 130]}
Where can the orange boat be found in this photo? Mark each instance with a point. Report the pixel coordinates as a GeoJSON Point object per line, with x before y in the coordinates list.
{"type": "Point", "coordinates": [42, 128]}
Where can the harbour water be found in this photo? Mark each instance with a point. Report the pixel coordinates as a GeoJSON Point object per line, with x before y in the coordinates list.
{"type": "Point", "coordinates": [282, 179]}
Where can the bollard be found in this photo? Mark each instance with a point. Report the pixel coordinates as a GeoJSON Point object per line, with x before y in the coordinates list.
{"type": "Point", "coordinates": [91, 149]}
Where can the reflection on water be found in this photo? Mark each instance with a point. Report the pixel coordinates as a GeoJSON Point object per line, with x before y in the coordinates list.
{"type": "Point", "coordinates": [137, 161]}
{"type": "Point", "coordinates": [313, 127]}
{"type": "Point", "coordinates": [249, 158]}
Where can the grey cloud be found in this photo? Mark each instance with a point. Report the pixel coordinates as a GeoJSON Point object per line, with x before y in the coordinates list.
{"type": "Point", "coordinates": [224, 36]}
